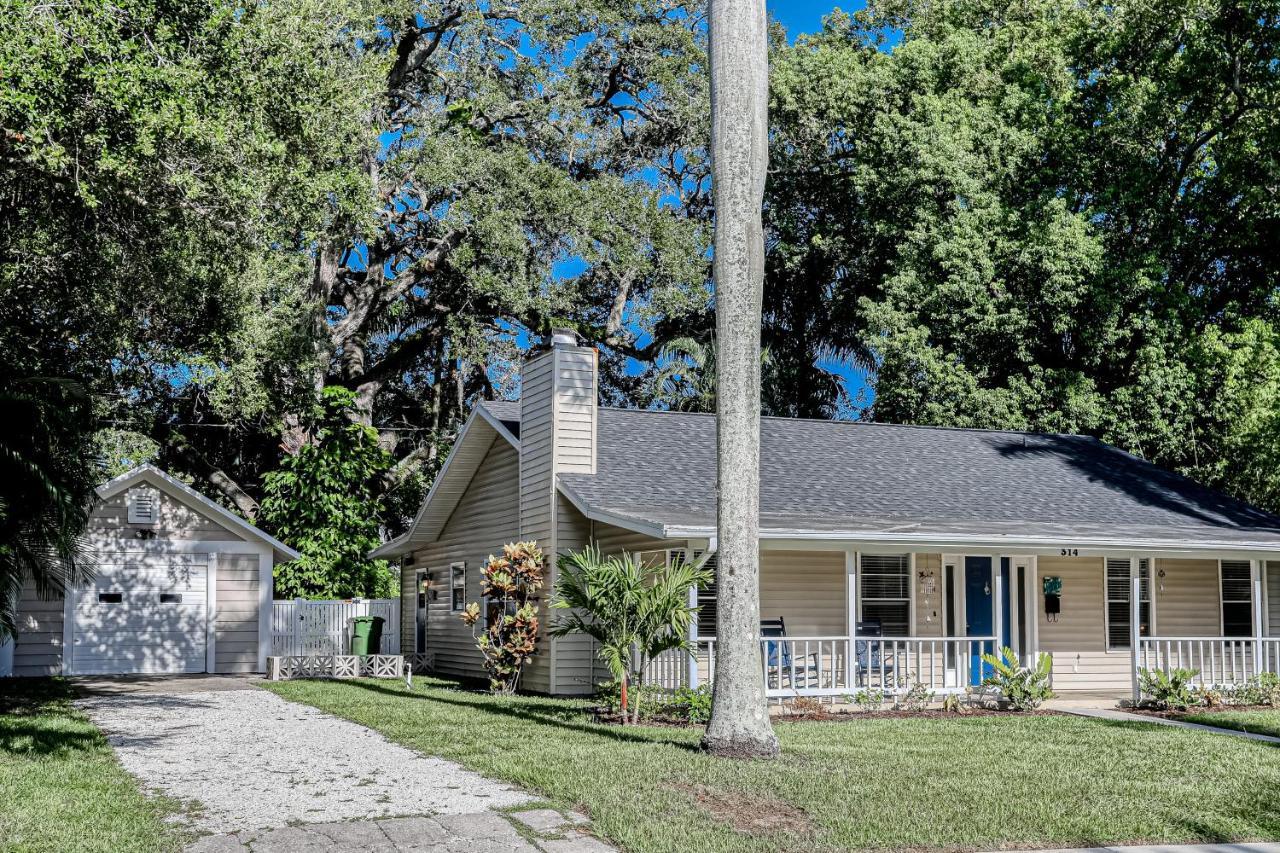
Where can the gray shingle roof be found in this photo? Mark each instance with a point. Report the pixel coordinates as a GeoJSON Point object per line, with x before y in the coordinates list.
{"type": "Point", "coordinates": [659, 467]}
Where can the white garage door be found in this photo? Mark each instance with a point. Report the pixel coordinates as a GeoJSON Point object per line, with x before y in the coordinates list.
{"type": "Point", "coordinates": [144, 613]}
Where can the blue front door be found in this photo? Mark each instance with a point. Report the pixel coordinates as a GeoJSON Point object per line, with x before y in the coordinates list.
{"type": "Point", "coordinates": [978, 613]}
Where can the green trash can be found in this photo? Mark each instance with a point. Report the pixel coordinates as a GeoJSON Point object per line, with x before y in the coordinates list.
{"type": "Point", "coordinates": [366, 635]}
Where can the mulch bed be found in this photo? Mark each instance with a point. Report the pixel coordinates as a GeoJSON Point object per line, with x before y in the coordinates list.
{"type": "Point", "coordinates": [1216, 709]}
{"type": "Point", "coordinates": [928, 714]}
{"type": "Point", "coordinates": [609, 717]}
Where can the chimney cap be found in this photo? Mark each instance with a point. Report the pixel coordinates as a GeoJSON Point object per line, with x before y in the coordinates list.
{"type": "Point", "coordinates": [562, 336]}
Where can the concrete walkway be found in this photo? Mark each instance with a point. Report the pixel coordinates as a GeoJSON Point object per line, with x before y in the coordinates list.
{"type": "Point", "coordinates": [1126, 717]}
{"type": "Point", "coordinates": [485, 832]}
{"type": "Point", "coordinates": [261, 774]}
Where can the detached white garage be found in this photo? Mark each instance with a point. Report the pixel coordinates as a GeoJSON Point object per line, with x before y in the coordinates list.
{"type": "Point", "coordinates": [182, 585]}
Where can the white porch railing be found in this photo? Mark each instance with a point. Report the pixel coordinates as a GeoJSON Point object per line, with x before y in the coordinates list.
{"type": "Point", "coordinates": [822, 666]}
{"type": "Point", "coordinates": [308, 628]}
{"type": "Point", "coordinates": [1219, 661]}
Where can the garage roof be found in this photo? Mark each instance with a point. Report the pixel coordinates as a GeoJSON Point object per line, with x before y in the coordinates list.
{"type": "Point", "coordinates": [180, 491]}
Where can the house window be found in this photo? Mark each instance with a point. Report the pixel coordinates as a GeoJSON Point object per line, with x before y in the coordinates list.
{"type": "Point", "coordinates": [1237, 598]}
{"type": "Point", "coordinates": [1118, 610]}
{"type": "Point", "coordinates": [706, 594]}
{"type": "Point", "coordinates": [886, 592]}
{"type": "Point", "coordinates": [458, 586]}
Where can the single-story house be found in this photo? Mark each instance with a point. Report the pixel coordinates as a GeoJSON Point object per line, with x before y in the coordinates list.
{"type": "Point", "coordinates": [890, 555]}
{"type": "Point", "coordinates": [180, 585]}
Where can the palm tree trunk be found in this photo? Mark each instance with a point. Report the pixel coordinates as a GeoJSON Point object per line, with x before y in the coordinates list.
{"type": "Point", "coordinates": [739, 723]}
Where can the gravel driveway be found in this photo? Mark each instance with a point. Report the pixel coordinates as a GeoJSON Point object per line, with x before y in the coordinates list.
{"type": "Point", "coordinates": [249, 761]}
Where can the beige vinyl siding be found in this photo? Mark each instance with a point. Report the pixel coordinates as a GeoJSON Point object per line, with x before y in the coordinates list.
{"type": "Point", "coordinates": [235, 620]}
{"type": "Point", "coordinates": [575, 370]}
{"type": "Point", "coordinates": [109, 521]}
{"type": "Point", "coordinates": [1187, 598]}
{"type": "Point", "coordinates": [806, 590]}
{"type": "Point", "coordinates": [485, 519]}
{"type": "Point", "coordinates": [1077, 640]}
{"type": "Point", "coordinates": [37, 650]}
{"type": "Point", "coordinates": [575, 654]}
{"type": "Point", "coordinates": [1273, 599]}
{"type": "Point", "coordinates": [929, 606]}
{"type": "Point", "coordinates": [536, 478]}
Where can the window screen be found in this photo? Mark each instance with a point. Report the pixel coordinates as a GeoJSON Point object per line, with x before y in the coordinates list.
{"type": "Point", "coordinates": [110, 597]}
{"type": "Point", "coordinates": [1237, 600]}
{"type": "Point", "coordinates": [1118, 587]}
{"type": "Point", "coordinates": [458, 586]}
{"type": "Point", "coordinates": [885, 585]}
{"type": "Point", "coordinates": [170, 598]}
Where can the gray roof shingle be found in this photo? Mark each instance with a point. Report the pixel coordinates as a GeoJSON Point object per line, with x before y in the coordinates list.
{"type": "Point", "coordinates": [659, 467]}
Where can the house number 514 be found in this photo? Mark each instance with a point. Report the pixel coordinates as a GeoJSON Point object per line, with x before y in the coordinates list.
{"type": "Point", "coordinates": [1071, 552]}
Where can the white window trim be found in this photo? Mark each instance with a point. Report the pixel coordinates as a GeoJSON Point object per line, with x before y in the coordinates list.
{"type": "Point", "coordinates": [454, 586]}
{"type": "Point", "coordinates": [1135, 561]}
{"type": "Point", "coordinates": [911, 586]}
{"type": "Point", "coordinates": [1222, 621]}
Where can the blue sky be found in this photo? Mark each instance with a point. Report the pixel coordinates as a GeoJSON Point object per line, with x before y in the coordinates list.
{"type": "Point", "coordinates": [805, 16]}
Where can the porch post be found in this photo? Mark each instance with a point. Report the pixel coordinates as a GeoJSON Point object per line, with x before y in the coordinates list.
{"type": "Point", "coordinates": [1255, 584]}
{"type": "Point", "coordinates": [1135, 628]}
{"type": "Point", "coordinates": [693, 637]}
{"type": "Point", "coordinates": [851, 615]}
{"type": "Point", "coordinates": [998, 620]}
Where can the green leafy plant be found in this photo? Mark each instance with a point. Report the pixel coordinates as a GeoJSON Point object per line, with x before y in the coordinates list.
{"type": "Point", "coordinates": [1024, 688]}
{"type": "Point", "coordinates": [323, 500]}
{"type": "Point", "coordinates": [951, 703]}
{"type": "Point", "coordinates": [867, 699]}
{"type": "Point", "coordinates": [692, 704]}
{"type": "Point", "coordinates": [506, 633]}
{"type": "Point", "coordinates": [1169, 690]}
{"type": "Point", "coordinates": [915, 698]}
{"type": "Point", "coordinates": [632, 610]}
{"type": "Point", "coordinates": [1261, 689]}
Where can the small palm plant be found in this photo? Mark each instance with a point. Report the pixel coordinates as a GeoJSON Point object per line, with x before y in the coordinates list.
{"type": "Point", "coordinates": [633, 611]}
{"type": "Point", "coordinates": [1025, 688]}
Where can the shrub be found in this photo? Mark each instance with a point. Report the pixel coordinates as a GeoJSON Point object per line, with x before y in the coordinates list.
{"type": "Point", "coordinates": [692, 704]}
{"type": "Point", "coordinates": [808, 706]}
{"type": "Point", "coordinates": [507, 631]}
{"type": "Point", "coordinates": [1262, 689]}
{"type": "Point", "coordinates": [916, 697]}
{"type": "Point", "coordinates": [869, 700]}
{"type": "Point", "coordinates": [1024, 688]}
{"type": "Point", "coordinates": [686, 704]}
{"type": "Point", "coordinates": [1167, 690]}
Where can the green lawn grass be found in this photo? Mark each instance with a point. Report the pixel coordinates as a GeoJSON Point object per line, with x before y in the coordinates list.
{"type": "Point", "coordinates": [975, 782]}
{"type": "Point", "coordinates": [1259, 722]}
{"type": "Point", "coordinates": [61, 787]}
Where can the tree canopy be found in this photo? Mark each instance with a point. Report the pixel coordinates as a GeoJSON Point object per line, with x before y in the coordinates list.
{"type": "Point", "coordinates": [1036, 215]}
{"type": "Point", "coordinates": [1027, 214]}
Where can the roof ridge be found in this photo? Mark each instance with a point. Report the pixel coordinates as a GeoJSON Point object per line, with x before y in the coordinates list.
{"type": "Point", "coordinates": [845, 422]}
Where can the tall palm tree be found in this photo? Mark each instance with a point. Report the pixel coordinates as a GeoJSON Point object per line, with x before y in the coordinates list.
{"type": "Point", "coordinates": [739, 723]}
{"type": "Point", "coordinates": [47, 480]}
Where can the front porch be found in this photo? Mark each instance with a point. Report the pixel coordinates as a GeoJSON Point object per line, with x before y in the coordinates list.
{"type": "Point", "coordinates": [839, 622]}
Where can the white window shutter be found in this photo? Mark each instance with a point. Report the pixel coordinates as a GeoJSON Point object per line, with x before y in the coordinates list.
{"type": "Point", "coordinates": [144, 506]}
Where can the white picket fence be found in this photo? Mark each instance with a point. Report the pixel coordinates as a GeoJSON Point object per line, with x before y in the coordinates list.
{"type": "Point", "coordinates": [301, 627]}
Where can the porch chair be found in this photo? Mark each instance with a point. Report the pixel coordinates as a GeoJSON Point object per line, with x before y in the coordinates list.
{"type": "Point", "coordinates": [868, 653]}
{"type": "Point", "coordinates": [779, 654]}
